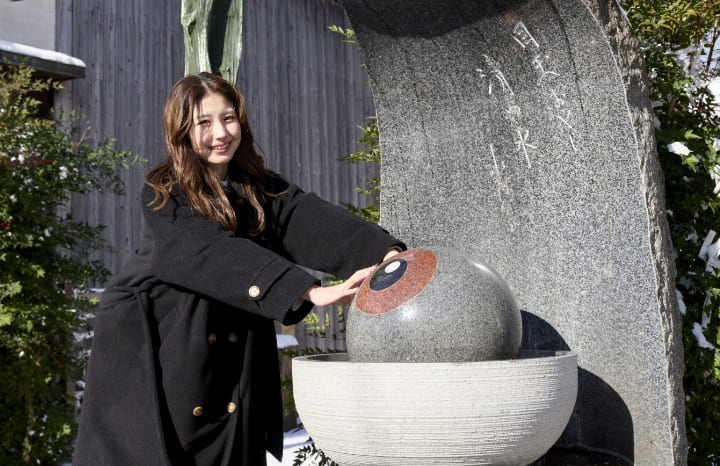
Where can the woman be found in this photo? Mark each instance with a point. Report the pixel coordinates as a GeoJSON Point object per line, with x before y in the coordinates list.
{"type": "Point", "coordinates": [184, 367]}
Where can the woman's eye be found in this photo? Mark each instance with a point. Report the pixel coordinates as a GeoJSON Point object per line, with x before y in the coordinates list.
{"type": "Point", "coordinates": [204, 122]}
{"type": "Point", "coordinates": [230, 118]}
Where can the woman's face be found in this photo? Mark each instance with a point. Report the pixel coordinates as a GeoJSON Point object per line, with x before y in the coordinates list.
{"type": "Point", "coordinates": [216, 132]}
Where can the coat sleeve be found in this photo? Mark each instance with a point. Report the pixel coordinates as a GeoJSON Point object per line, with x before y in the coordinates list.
{"type": "Point", "coordinates": [324, 236]}
{"type": "Point", "coordinates": [195, 253]}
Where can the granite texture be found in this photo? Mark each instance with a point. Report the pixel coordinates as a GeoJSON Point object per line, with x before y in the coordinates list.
{"type": "Point", "coordinates": [520, 131]}
{"type": "Point", "coordinates": [433, 305]}
{"type": "Point", "coordinates": [507, 412]}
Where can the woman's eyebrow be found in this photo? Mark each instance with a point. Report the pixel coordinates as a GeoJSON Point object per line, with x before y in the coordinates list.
{"type": "Point", "coordinates": [224, 112]}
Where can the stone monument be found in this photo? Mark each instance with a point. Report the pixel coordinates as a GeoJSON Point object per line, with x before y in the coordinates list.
{"type": "Point", "coordinates": [521, 131]}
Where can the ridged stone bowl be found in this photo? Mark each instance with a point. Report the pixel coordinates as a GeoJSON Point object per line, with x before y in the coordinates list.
{"type": "Point", "coordinates": [501, 412]}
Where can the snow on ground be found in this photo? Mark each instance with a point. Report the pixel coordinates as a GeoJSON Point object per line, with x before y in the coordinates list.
{"type": "Point", "coordinates": [697, 331]}
{"type": "Point", "coordinates": [293, 440]}
{"type": "Point", "coordinates": [285, 341]}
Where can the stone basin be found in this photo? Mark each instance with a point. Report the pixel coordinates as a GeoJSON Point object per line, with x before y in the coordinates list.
{"type": "Point", "coordinates": [500, 412]}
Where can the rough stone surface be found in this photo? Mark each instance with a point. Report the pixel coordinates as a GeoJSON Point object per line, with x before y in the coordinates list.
{"type": "Point", "coordinates": [520, 131]}
{"type": "Point", "coordinates": [507, 412]}
{"type": "Point", "coordinates": [433, 305]}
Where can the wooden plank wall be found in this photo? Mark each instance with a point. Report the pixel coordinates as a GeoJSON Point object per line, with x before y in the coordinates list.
{"type": "Point", "coordinates": [305, 92]}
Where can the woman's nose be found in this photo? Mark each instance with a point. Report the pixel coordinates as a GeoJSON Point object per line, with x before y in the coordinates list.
{"type": "Point", "coordinates": [219, 130]}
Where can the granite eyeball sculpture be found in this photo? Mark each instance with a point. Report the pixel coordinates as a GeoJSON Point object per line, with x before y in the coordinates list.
{"type": "Point", "coordinates": [433, 305]}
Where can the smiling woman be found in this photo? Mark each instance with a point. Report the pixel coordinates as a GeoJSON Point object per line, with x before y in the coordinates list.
{"type": "Point", "coordinates": [216, 132]}
{"type": "Point", "coordinates": [184, 366]}
{"type": "Point", "coordinates": [202, 114]}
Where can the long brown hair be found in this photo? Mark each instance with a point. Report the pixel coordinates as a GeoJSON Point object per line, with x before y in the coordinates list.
{"type": "Point", "coordinates": [193, 176]}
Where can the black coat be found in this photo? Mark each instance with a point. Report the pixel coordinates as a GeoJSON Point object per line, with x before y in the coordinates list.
{"type": "Point", "coordinates": [183, 367]}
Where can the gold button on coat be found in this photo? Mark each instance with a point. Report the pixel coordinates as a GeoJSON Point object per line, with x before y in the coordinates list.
{"type": "Point", "coordinates": [231, 407]}
{"type": "Point", "coordinates": [232, 337]}
{"type": "Point", "coordinates": [254, 291]}
{"type": "Point", "coordinates": [197, 411]}
{"type": "Point", "coordinates": [212, 338]}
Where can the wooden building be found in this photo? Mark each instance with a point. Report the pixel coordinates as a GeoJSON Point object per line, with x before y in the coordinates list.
{"type": "Point", "coordinates": [305, 89]}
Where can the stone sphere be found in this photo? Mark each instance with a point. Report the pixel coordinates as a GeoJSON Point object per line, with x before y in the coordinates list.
{"type": "Point", "coordinates": [433, 305]}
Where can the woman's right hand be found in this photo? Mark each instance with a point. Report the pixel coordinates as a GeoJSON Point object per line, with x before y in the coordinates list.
{"type": "Point", "coordinates": [337, 294]}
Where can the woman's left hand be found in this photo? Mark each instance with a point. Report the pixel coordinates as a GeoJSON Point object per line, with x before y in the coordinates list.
{"type": "Point", "coordinates": [337, 294]}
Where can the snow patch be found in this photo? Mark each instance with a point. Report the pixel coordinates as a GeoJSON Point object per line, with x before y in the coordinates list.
{"type": "Point", "coordinates": [678, 148]}
{"type": "Point", "coordinates": [293, 441]}
{"type": "Point", "coordinates": [714, 87]}
{"type": "Point", "coordinates": [44, 54]}
{"type": "Point", "coordinates": [709, 252]}
{"type": "Point", "coordinates": [715, 176]}
{"type": "Point", "coordinates": [285, 341]}
{"type": "Point", "coordinates": [700, 337]}
{"type": "Point", "coordinates": [681, 302]}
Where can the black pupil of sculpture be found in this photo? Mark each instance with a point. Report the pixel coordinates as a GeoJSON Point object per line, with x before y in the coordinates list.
{"type": "Point", "coordinates": [388, 275]}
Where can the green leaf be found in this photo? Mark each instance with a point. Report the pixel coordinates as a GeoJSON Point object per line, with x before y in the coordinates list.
{"type": "Point", "coordinates": [689, 134]}
{"type": "Point", "coordinates": [5, 317]}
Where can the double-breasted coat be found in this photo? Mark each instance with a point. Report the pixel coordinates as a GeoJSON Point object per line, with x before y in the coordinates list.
{"type": "Point", "coordinates": [183, 367]}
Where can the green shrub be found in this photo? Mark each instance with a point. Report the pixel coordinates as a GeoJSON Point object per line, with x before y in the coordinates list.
{"type": "Point", "coordinates": [369, 152]}
{"type": "Point", "coordinates": [678, 40]}
{"type": "Point", "coordinates": [43, 262]}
